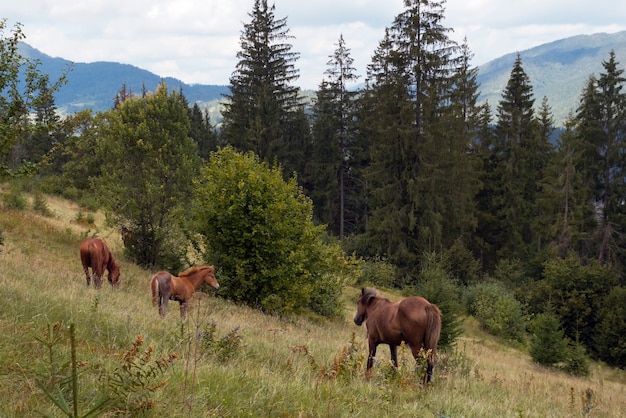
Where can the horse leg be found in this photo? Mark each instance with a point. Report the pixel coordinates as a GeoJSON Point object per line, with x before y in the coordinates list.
{"type": "Point", "coordinates": [415, 350]}
{"type": "Point", "coordinates": [372, 354]}
{"type": "Point", "coordinates": [394, 354]}
{"type": "Point", "coordinates": [163, 306]}
{"type": "Point", "coordinates": [87, 274]}
{"type": "Point", "coordinates": [183, 310]}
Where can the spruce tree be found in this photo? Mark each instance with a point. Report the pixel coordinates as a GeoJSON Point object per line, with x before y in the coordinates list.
{"type": "Point", "coordinates": [263, 109]}
{"type": "Point", "coordinates": [330, 168]}
{"type": "Point", "coordinates": [202, 131]}
{"type": "Point", "coordinates": [548, 345]}
{"type": "Point", "coordinates": [421, 181]}
{"type": "Point", "coordinates": [601, 120]}
{"type": "Point", "coordinates": [516, 147]}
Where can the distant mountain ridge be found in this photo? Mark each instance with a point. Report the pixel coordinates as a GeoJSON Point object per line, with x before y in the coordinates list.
{"type": "Point", "coordinates": [558, 70]}
{"type": "Point", "coordinates": [95, 85]}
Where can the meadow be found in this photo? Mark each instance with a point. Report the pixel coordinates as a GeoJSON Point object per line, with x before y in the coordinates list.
{"type": "Point", "coordinates": [228, 360]}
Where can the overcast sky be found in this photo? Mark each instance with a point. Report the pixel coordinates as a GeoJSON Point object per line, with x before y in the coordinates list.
{"type": "Point", "coordinates": [197, 41]}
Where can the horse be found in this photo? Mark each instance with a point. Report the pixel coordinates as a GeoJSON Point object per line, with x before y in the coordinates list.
{"type": "Point", "coordinates": [165, 286]}
{"type": "Point", "coordinates": [94, 253]}
{"type": "Point", "coordinates": [413, 320]}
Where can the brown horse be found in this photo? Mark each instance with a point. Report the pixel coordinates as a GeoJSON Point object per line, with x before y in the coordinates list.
{"type": "Point", "coordinates": [94, 253]}
{"type": "Point", "coordinates": [166, 286]}
{"type": "Point", "coordinates": [413, 320]}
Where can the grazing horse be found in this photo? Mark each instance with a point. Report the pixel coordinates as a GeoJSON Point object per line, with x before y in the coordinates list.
{"type": "Point", "coordinates": [166, 286]}
{"type": "Point", "coordinates": [94, 253]}
{"type": "Point", "coordinates": [413, 320]}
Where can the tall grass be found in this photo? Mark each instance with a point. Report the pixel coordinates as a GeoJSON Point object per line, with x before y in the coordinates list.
{"type": "Point", "coordinates": [253, 364]}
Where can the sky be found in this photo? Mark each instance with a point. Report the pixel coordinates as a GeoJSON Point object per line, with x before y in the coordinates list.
{"type": "Point", "coordinates": [196, 41]}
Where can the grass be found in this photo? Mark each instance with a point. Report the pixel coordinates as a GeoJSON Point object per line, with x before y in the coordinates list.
{"type": "Point", "coordinates": [279, 367]}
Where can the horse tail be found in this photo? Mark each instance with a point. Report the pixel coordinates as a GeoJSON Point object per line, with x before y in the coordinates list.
{"type": "Point", "coordinates": [154, 285]}
{"type": "Point", "coordinates": [433, 327]}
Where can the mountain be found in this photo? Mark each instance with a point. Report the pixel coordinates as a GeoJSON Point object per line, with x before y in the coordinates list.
{"type": "Point", "coordinates": [557, 70]}
{"type": "Point", "coordinates": [95, 85]}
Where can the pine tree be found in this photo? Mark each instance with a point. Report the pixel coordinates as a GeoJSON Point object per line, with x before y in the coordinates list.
{"type": "Point", "coordinates": [548, 345]}
{"type": "Point", "coordinates": [263, 106]}
{"type": "Point", "coordinates": [330, 165]}
{"type": "Point", "coordinates": [421, 180]}
{"type": "Point", "coordinates": [601, 120]}
{"type": "Point", "coordinates": [517, 146]}
{"type": "Point", "coordinates": [202, 131]}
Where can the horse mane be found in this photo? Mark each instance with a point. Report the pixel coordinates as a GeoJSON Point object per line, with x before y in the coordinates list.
{"type": "Point", "coordinates": [368, 294]}
{"type": "Point", "coordinates": [193, 270]}
{"type": "Point", "coordinates": [111, 264]}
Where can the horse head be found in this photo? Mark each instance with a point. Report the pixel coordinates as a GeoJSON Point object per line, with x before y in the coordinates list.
{"type": "Point", "coordinates": [362, 304]}
{"type": "Point", "coordinates": [209, 277]}
{"type": "Point", "coordinates": [114, 275]}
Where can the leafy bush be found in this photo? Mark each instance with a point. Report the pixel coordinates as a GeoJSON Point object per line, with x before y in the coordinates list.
{"type": "Point", "coordinates": [377, 272]}
{"type": "Point", "coordinates": [14, 200]}
{"type": "Point", "coordinates": [610, 338]}
{"type": "Point", "coordinates": [258, 230]}
{"type": "Point", "coordinates": [496, 309]}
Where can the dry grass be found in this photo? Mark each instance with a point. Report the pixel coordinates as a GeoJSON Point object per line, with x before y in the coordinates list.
{"type": "Point", "coordinates": [41, 282]}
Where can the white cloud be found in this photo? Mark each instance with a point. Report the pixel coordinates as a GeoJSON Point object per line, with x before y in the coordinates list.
{"type": "Point", "coordinates": [197, 40]}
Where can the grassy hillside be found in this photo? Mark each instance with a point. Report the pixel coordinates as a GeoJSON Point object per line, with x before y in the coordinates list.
{"type": "Point", "coordinates": [253, 365]}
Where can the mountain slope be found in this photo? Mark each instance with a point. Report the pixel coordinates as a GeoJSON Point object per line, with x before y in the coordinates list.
{"type": "Point", "coordinates": [95, 85]}
{"type": "Point", "coordinates": [557, 70]}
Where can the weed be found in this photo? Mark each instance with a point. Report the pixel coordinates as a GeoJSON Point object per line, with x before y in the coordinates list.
{"type": "Point", "coordinates": [136, 380]}
{"type": "Point", "coordinates": [346, 363]}
{"type": "Point", "coordinates": [223, 348]}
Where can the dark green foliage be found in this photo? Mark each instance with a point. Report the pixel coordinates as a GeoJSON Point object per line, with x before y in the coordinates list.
{"type": "Point", "coordinates": [577, 292]}
{"type": "Point", "coordinates": [548, 345]}
{"type": "Point", "coordinates": [496, 309]}
{"type": "Point", "coordinates": [148, 162]}
{"type": "Point", "coordinates": [576, 362]}
{"type": "Point", "coordinates": [263, 112]}
{"type": "Point", "coordinates": [25, 90]}
{"type": "Point", "coordinates": [257, 229]}
{"type": "Point", "coordinates": [610, 337]}
{"type": "Point", "coordinates": [202, 131]}
{"type": "Point", "coordinates": [436, 285]}
{"type": "Point", "coordinates": [332, 171]}
{"type": "Point", "coordinates": [422, 180]}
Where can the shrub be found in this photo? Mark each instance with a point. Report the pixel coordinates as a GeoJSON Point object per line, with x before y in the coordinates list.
{"type": "Point", "coordinates": [377, 272]}
{"type": "Point", "coordinates": [14, 200]}
{"type": "Point", "coordinates": [497, 310]}
{"type": "Point", "coordinates": [610, 337]}
{"type": "Point", "coordinates": [258, 230]}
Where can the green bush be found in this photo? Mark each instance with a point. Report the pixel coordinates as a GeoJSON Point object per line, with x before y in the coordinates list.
{"type": "Point", "coordinates": [258, 230]}
{"type": "Point", "coordinates": [496, 309]}
{"type": "Point", "coordinates": [610, 337]}
{"type": "Point", "coordinates": [377, 272]}
{"type": "Point", "coordinates": [14, 200]}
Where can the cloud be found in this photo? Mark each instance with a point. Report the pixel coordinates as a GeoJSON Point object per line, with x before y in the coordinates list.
{"type": "Point", "coordinates": [197, 40]}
